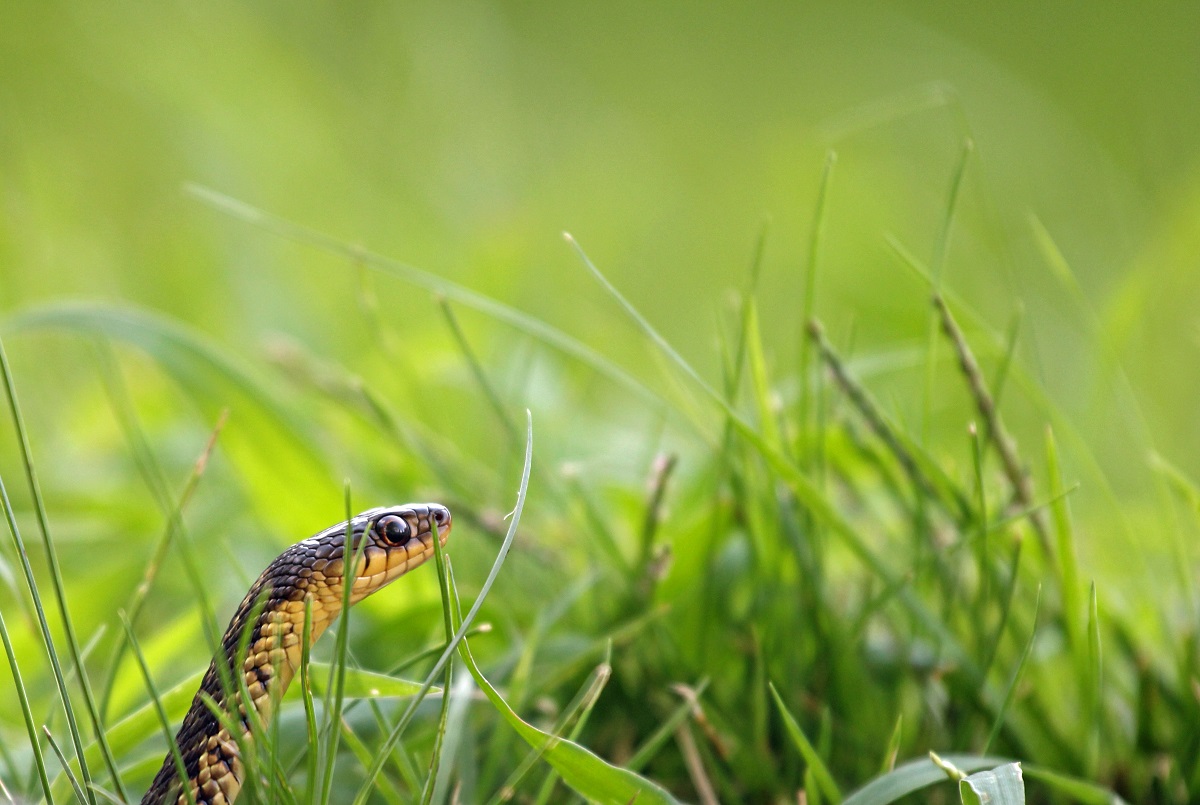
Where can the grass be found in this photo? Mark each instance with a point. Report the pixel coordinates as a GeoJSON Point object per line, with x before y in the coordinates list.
{"type": "Point", "coordinates": [807, 593]}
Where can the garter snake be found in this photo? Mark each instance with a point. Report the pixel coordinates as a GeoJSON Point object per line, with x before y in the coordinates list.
{"type": "Point", "coordinates": [399, 538]}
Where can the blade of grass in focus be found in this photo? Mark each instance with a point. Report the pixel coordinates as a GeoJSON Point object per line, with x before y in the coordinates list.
{"type": "Point", "coordinates": [23, 697]}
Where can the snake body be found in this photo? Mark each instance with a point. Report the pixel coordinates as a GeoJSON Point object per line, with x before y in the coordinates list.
{"type": "Point", "coordinates": [398, 538]}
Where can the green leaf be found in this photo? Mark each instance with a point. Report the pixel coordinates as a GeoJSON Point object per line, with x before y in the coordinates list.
{"type": "Point", "coordinates": [999, 786]}
{"type": "Point", "coordinates": [1082, 791]}
{"type": "Point", "coordinates": [361, 684]}
{"type": "Point", "coordinates": [915, 775]}
{"type": "Point", "coordinates": [589, 775]}
{"type": "Point", "coordinates": [817, 766]}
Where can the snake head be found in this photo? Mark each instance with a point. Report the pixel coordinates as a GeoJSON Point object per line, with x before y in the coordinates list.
{"type": "Point", "coordinates": [386, 543]}
{"type": "Point", "coordinates": [266, 648]}
{"type": "Point", "coordinates": [398, 538]}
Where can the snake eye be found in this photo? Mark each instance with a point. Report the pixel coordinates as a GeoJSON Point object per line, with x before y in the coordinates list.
{"type": "Point", "coordinates": [395, 530]}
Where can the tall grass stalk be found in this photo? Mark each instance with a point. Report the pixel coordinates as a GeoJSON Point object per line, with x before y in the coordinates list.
{"type": "Point", "coordinates": [56, 577]}
{"type": "Point", "coordinates": [335, 695]}
{"type": "Point", "coordinates": [808, 309]}
{"type": "Point", "coordinates": [164, 722]}
{"type": "Point", "coordinates": [14, 667]}
{"type": "Point", "coordinates": [435, 760]}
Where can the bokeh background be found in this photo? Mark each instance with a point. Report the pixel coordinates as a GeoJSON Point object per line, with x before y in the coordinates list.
{"type": "Point", "coordinates": [463, 138]}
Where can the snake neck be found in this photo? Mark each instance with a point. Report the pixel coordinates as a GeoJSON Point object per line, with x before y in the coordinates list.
{"type": "Point", "coordinates": [270, 652]}
{"type": "Point", "coordinates": [263, 643]}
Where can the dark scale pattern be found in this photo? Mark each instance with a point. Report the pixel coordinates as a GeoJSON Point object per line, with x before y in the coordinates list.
{"type": "Point", "coordinates": [271, 652]}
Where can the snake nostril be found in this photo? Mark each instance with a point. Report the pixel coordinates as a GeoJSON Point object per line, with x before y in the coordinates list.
{"type": "Point", "coordinates": [439, 515]}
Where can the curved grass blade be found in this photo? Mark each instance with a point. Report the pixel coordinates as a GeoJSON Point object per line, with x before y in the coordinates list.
{"type": "Point", "coordinates": [583, 700]}
{"type": "Point", "coordinates": [591, 695]}
{"type": "Point", "coordinates": [999, 786]}
{"type": "Point", "coordinates": [523, 322]}
{"type": "Point", "coordinates": [914, 776]}
{"type": "Point", "coordinates": [588, 774]}
{"type": "Point", "coordinates": [817, 766]}
{"type": "Point", "coordinates": [1082, 791]}
{"type": "Point", "coordinates": [660, 736]}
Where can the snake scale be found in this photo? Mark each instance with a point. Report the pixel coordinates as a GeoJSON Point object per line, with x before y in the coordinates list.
{"type": "Point", "coordinates": [398, 538]}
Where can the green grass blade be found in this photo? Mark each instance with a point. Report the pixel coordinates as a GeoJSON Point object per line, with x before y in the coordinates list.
{"type": "Point", "coordinates": [359, 683]}
{"type": "Point", "coordinates": [820, 771]}
{"type": "Point", "coordinates": [585, 697]}
{"type": "Point", "coordinates": [810, 296]}
{"type": "Point", "coordinates": [585, 772]}
{"type": "Point", "coordinates": [893, 747]}
{"type": "Point", "coordinates": [999, 786]}
{"type": "Point", "coordinates": [1007, 357]}
{"type": "Point", "coordinates": [760, 382]}
{"type": "Point", "coordinates": [1065, 557]}
{"type": "Point", "coordinates": [431, 778]}
{"type": "Point", "coordinates": [1095, 683]}
{"type": "Point", "coordinates": [335, 694]}
{"type": "Point", "coordinates": [384, 786]}
{"type": "Point", "coordinates": [79, 795]}
{"type": "Point", "coordinates": [592, 693]}
{"type": "Point", "coordinates": [1084, 792]}
{"type": "Point", "coordinates": [642, 322]}
{"type": "Point", "coordinates": [937, 264]}
{"type": "Point", "coordinates": [159, 711]}
{"type": "Point", "coordinates": [657, 739]}
{"type": "Point", "coordinates": [26, 713]}
{"type": "Point", "coordinates": [942, 245]}
{"type": "Point", "coordinates": [306, 694]}
{"type": "Point", "coordinates": [481, 379]}
{"type": "Point", "coordinates": [1016, 678]}
{"type": "Point", "coordinates": [914, 776]}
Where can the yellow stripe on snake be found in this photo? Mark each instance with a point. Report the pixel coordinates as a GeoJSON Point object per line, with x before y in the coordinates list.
{"type": "Point", "coordinates": [398, 538]}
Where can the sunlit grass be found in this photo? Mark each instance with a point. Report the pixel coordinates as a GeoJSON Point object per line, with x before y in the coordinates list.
{"type": "Point", "coordinates": [806, 593]}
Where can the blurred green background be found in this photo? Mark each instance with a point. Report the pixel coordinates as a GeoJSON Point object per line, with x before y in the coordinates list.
{"type": "Point", "coordinates": [463, 138]}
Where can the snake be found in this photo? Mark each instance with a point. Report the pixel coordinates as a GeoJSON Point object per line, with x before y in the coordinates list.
{"type": "Point", "coordinates": [267, 629]}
